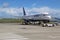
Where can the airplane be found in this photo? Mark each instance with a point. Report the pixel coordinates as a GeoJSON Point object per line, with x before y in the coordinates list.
{"type": "Point", "coordinates": [39, 18]}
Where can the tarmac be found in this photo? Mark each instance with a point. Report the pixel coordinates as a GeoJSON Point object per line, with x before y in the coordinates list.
{"type": "Point", "coordinates": [15, 31]}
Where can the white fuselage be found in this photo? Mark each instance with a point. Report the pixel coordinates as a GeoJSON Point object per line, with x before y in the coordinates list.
{"type": "Point", "coordinates": [38, 17]}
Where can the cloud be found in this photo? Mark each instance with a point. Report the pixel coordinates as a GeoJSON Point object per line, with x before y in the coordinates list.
{"type": "Point", "coordinates": [43, 10]}
{"type": "Point", "coordinates": [5, 4]}
{"type": "Point", "coordinates": [34, 4]}
{"type": "Point", "coordinates": [18, 11]}
{"type": "Point", "coordinates": [11, 11]}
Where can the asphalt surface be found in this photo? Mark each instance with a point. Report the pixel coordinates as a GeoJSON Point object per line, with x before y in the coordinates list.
{"type": "Point", "coordinates": [15, 31]}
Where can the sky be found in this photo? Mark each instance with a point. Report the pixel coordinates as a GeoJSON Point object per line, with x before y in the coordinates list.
{"type": "Point", "coordinates": [10, 8]}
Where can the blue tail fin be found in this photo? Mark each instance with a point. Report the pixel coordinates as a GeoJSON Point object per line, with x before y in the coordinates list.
{"type": "Point", "coordinates": [24, 12]}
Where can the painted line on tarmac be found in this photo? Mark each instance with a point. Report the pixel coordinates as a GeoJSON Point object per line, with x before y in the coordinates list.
{"type": "Point", "coordinates": [51, 36]}
{"type": "Point", "coordinates": [11, 36]}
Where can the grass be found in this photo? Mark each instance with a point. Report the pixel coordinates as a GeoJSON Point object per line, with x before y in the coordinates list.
{"type": "Point", "coordinates": [10, 20]}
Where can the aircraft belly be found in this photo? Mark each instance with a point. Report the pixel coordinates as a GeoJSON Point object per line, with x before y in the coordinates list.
{"type": "Point", "coordinates": [36, 18]}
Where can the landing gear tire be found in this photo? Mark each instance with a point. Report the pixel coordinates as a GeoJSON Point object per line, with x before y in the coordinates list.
{"type": "Point", "coordinates": [44, 25]}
